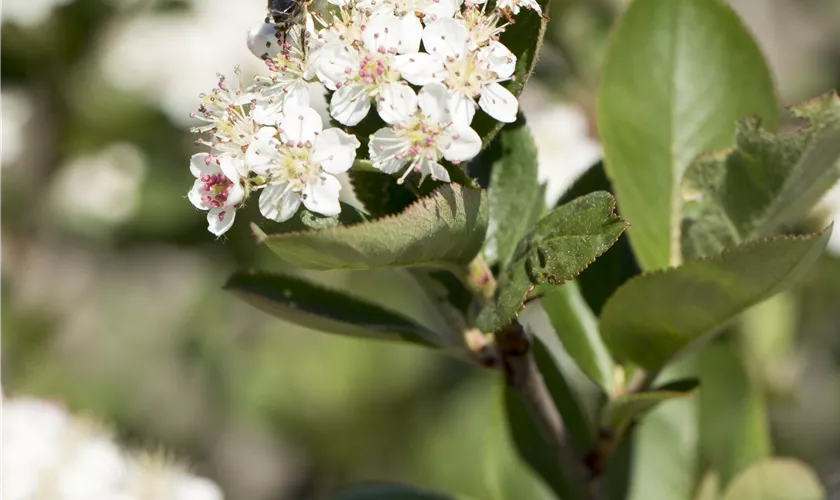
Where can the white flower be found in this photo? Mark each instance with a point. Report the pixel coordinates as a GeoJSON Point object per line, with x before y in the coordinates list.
{"type": "Point", "coordinates": [49, 453]}
{"type": "Point", "coordinates": [289, 58]}
{"type": "Point", "coordinates": [424, 138]}
{"type": "Point", "coordinates": [227, 112]}
{"type": "Point", "coordinates": [483, 28]}
{"type": "Point", "coordinates": [514, 5]}
{"type": "Point", "coordinates": [299, 165]}
{"type": "Point", "coordinates": [373, 70]}
{"type": "Point", "coordinates": [471, 74]}
{"type": "Point", "coordinates": [217, 189]}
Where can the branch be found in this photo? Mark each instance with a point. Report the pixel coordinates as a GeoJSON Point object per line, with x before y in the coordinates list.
{"type": "Point", "coordinates": [523, 376]}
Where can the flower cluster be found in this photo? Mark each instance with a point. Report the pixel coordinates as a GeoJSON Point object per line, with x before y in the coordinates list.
{"type": "Point", "coordinates": [426, 66]}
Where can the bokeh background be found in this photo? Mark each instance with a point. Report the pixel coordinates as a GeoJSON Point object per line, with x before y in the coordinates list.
{"type": "Point", "coordinates": [111, 285]}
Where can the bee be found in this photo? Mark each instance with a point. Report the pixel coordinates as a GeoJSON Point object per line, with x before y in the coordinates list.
{"type": "Point", "coordinates": [285, 13]}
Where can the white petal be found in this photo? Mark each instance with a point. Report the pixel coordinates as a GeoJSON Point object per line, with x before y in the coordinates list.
{"type": "Point", "coordinates": [219, 220]}
{"type": "Point", "coordinates": [383, 148]}
{"type": "Point", "coordinates": [233, 168]}
{"type": "Point", "coordinates": [442, 9]}
{"type": "Point", "coordinates": [262, 41]}
{"type": "Point", "coordinates": [499, 103]}
{"type": "Point", "coordinates": [383, 31]}
{"type": "Point", "coordinates": [396, 102]}
{"type": "Point", "coordinates": [195, 195]}
{"type": "Point", "coordinates": [235, 195]}
{"type": "Point", "coordinates": [268, 112]}
{"type": "Point", "coordinates": [437, 171]}
{"type": "Point", "coordinates": [464, 146]}
{"type": "Point", "coordinates": [297, 96]}
{"type": "Point", "coordinates": [500, 59]}
{"type": "Point", "coordinates": [420, 68]}
{"type": "Point", "coordinates": [321, 194]}
{"type": "Point", "coordinates": [446, 38]}
{"type": "Point", "coordinates": [411, 32]}
{"type": "Point", "coordinates": [202, 163]}
{"type": "Point", "coordinates": [279, 202]}
{"type": "Point", "coordinates": [434, 102]}
{"type": "Point", "coordinates": [350, 104]}
{"type": "Point", "coordinates": [461, 108]}
{"type": "Point", "coordinates": [262, 151]}
{"type": "Point", "coordinates": [333, 63]}
{"type": "Point", "coordinates": [335, 150]}
{"type": "Point", "coordinates": [301, 125]}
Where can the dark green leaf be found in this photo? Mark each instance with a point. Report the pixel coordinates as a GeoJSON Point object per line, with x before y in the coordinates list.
{"type": "Point", "coordinates": [678, 75]}
{"type": "Point", "coordinates": [392, 492]}
{"type": "Point", "coordinates": [654, 316]}
{"type": "Point", "coordinates": [513, 189]}
{"type": "Point", "coordinates": [310, 305]}
{"type": "Point", "coordinates": [523, 38]}
{"type": "Point", "coordinates": [445, 229]}
{"type": "Point", "coordinates": [381, 195]}
{"type": "Point", "coordinates": [561, 245]}
{"type": "Point", "coordinates": [765, 181]}
{"type": "Point", "coordinates": [776, 479]}
{"type": "Point", "coordinates": [577, 329]}
{"type": "Point", "coordinates": [626, 410]}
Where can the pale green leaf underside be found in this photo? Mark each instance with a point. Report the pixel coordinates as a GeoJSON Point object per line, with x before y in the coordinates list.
{"type": "Point", "coordinates": [563, 243]}
{"type": "Point", "coordinates": [653, 317]}
{"type": "Point", "coordinates": [762, 183]}
{"type": "Point", "coordinates": [776, 479]}
{"type": "Point", "coordinates": [623, 411]}
{"type": "Point", "coordinates": [445, 229]}
{"type": "Point", "coordinates": [313, 306]}
{"type": "Point", "coordinates": [577, 329]}
{"type": "Point", "coordinates": [678, 75]}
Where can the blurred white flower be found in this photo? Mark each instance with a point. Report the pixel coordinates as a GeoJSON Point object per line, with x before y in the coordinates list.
{"type": "Point", "coordinates": [829, 206]}
{"type": "Point", "coordinates": [298, 161]}
{"type": "Point", "coordinates": [423, 139]}
{"type": "Point", "coordinates": [30, 13]}
{"type": "Point", "coordinates": [16, 108]}
{"type": "Point", "coordinates": [565, 148]}
{"type": "Point", "coordinates": [103, 188]}
{"type": "Point", "coordinates": [172, 57]}
{"type": "Point", "coordinates": [49, 454]}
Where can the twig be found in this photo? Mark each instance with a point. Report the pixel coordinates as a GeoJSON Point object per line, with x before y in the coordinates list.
{"type": "Point", "coordinates": [523, 376]}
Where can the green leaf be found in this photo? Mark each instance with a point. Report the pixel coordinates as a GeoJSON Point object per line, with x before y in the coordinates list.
{"type": "Point", "coordinates": [577, 329]}
{"type": "Point", "coordinates": [624, 411]}
{"type": "Point", "coordinates": [734, 431]}
{"type": "Point", "coordinates": [776, 479]}
{"type": "Point", "coordinates": [444, 229]}
{"type": "Point", "coordinates": [392, 492]}
{"type": "Point", "coordinates": [767, 180]}
{"type": "Point", "coordinates": [654, 316]}
{"type": "Point", "coordinates": [618, 264]}
{"type": "Point", "coordinates": [513, 189]}
{"type": "Point", "coordinates": [561, 245]}
{"type": "Point", "coordinates": [677, 76]}
{"type": "Point", "coordinates": [524, 39]}
{"type": "Point", "coordinates": [381, 195]}
{"type": "Point", "coordinates": [304, 220]}
{"type": "Point", "coordinates": [313, 306]}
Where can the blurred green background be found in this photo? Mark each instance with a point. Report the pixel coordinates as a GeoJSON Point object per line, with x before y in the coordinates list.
{"type": "Point", "coordinates": [111, 284]}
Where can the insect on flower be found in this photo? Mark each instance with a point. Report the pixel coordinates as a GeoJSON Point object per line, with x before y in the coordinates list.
{"type": "Point", "coordinates": [285, 13]}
